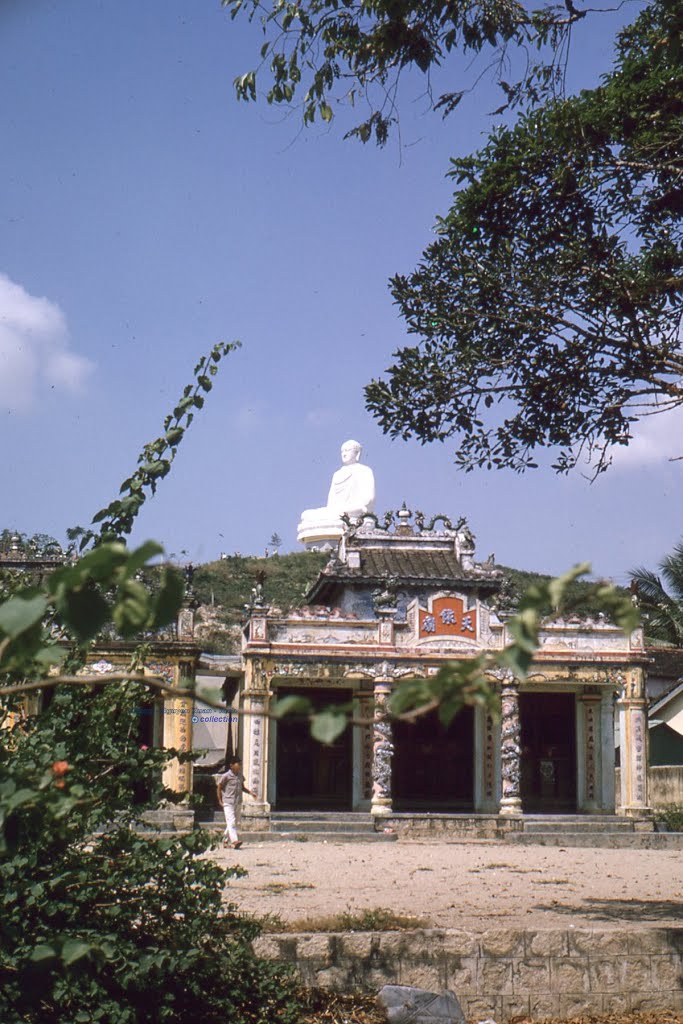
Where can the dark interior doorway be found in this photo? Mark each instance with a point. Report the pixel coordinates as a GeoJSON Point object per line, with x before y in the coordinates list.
{"type": "Point", "coordinates": [548, 766]}
{"type": "Point", "coordinates": [312, 775]}
{"type": "Point", "coordinates": [433, 766]}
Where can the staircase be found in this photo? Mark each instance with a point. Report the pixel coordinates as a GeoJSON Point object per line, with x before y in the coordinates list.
{"type": "Point", "coordinates": [608, 831]}
{"type": "Point", "coordinates": [312, 826]}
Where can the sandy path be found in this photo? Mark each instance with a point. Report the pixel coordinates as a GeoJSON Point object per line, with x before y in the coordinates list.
{"type": "Point", "coordinates": [452, 885]}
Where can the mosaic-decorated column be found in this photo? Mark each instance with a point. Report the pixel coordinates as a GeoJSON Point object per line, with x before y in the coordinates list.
{"type": "Point", "coordinates": [255, 702]}
{"type": "Point", "coordinates": [382, 752]}
{"type": "Point", "coordinates": [510, 747]}
{"type": "Point", "coordinates": [634, 738]}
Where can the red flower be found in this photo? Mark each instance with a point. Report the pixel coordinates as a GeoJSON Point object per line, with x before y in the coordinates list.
{"type": "Point", "coordinates": [60, 768]}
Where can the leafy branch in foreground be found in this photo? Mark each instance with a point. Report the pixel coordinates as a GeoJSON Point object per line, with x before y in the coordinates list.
{"type": "Point", "coordinates": [156, 458]}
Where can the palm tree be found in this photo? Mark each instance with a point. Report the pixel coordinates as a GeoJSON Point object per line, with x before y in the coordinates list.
{"type": "Point", "coordinates": [662, 609]}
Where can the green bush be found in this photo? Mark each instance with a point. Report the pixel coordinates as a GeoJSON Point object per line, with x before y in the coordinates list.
{"type": "Point", "coordinates": [672, 816]}
{"type": "Point", "coordinates": [98, 923]}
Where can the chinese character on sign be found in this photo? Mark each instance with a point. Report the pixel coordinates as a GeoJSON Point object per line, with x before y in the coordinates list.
{"type": "Point", "coordinates": [447, 617]}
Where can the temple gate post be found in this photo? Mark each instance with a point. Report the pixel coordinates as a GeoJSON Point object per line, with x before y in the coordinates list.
{"type": "Point", "coordinates": [176, 726]}
{"type": "Point", "coordinates": [364, 744]}
{"type": "Point", "coordinates": [607, 742]}
{"type": "Point", "coordinates": [486, 761]}
{"type": "Point", "coordinates": [632, 707]}
{"type": "Point", "coordinates": [255, 729]}
{"type": "Point", "coordinates": [382, 750]}
{"type": "Point", "coordinates": [510, 747]}
{"type": "Point", "coordinates": [589, 750]}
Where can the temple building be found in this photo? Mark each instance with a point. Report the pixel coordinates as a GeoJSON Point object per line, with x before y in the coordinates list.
{"type": "Point", "coordinates": [399, 598]}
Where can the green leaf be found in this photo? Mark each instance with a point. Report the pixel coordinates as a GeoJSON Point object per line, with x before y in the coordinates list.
{"type": "Point", "coordinates": [174, 435]}
{"type": "Point", "coordinates": [73, 950]}
{"type": "Point", "coordinates": [85, 611]}
{"type": "Point", "coordinates": [131, 611]}
{"type": "Point", "coordinates": [291, 704]}
{"type": "Point", "coordinates": [327, 725]}
{"type": "Point", "coordinates": [43, 952]}
{"type": "Point", "coordinates": [557, 588]}
{"type": "Point", "coordinates": [169, 599]}
{"type": "Point", "coordinates": [21, 612]}
{"type": "Point", "coordinates": [140, 556]}
{"type": "Point", "coordinates": [209, 695]}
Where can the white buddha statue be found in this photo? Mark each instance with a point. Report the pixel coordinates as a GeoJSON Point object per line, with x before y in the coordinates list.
{"type": "Point", "coordinates": [352, 493]}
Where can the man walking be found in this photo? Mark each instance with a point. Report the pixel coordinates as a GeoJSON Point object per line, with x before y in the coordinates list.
{"type": "Point", "coordinates": [229, 789]}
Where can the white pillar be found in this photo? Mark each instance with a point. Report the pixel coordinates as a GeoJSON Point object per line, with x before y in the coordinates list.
{"type": "Point", "coordinates": [634, 740]}
{"type": "Point", "coordinates": [255, 701]}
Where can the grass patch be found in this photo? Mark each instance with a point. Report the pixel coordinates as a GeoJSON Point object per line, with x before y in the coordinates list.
{"type": "Point", "coordinates": [277, 887]}
{"type": "Point", "coordinates": [376, 920]}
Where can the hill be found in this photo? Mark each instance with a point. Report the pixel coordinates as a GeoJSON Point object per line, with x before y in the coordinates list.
{"type": "Point", "coordinates": [226, 587]}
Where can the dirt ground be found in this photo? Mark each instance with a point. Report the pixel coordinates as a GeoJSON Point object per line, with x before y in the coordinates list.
{"type": "Point", "coordinates": [456, 885]}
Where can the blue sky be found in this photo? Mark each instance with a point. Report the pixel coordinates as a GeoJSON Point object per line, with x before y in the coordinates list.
{"type": "Point", "coordinates": [145, 214]}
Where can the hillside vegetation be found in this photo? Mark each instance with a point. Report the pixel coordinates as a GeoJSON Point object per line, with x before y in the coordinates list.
{"type": "Point", "coordinates": [230, 581]}
{"type": "Point", "coordinates": [228, 584]}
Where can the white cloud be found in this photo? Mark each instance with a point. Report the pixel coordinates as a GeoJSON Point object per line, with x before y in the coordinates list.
{"type": "Point", "coordinates": [656, 438]}
{"type": "Point", "coordinates": [34, 349]}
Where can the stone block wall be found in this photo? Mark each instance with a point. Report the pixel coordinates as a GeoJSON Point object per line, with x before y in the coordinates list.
{"type": "Point", "coordinates": [499, 973]}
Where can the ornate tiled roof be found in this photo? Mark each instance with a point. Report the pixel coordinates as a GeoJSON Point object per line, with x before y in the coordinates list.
{"type": "Point", "coordinates": [410, 556]}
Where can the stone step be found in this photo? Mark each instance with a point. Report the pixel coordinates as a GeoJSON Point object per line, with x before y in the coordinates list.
{"type": "Point", "coordinates": [580, 825]}
{"type": "Point", "coordinates": [603, 840]}
{"type": "Point", "coordinates": [317, 825]}
{"type": "Point", "coordinates": [295, 836]}
{"type": "Point", "coordinates": [320, 815]}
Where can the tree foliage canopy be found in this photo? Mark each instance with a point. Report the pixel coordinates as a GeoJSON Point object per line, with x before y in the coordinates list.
{"type": "Point", "coordinates": [552, 295]}
{"type": "Point", "coordinates": [333, 51]}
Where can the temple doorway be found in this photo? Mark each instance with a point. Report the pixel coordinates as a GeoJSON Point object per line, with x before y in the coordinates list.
{"type": "Point", "coordinates": [433, 766]}
{"type": "Point", "coordinates": [312, 775]}
{"type": "Point", "coordinates": [548, 761]}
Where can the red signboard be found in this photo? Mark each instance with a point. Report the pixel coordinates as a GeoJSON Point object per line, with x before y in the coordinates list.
{"type": "Point", "coordinates": [448, 618]}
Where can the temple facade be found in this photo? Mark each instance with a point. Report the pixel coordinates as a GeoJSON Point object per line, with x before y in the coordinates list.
{"type": "Point", "coordinates": [397, 600]}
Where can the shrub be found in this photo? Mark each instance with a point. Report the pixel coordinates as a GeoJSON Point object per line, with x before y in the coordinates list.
{"type": "Point", "coordinates": [98, 923]}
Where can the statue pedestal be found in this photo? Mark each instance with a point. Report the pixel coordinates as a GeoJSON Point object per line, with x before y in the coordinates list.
{"type": "Point", "coordinates": [323, 535]}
